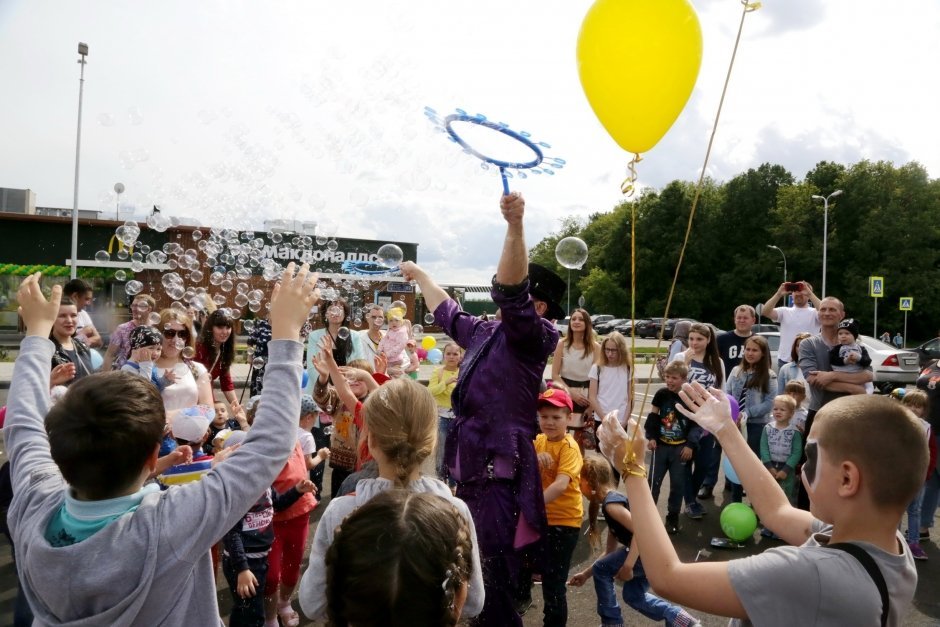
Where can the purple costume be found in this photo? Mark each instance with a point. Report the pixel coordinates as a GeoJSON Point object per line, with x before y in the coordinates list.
{"type": "Point", "coordinates": [489, 451]}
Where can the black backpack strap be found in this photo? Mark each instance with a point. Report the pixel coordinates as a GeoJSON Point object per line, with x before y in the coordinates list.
{"type": "Point", "coordinates": [868, 563]}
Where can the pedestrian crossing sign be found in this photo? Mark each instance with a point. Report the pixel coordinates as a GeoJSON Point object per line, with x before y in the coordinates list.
{"type": "Point", "coordinates": [907, 303]}
{"type": "Point", "coordinates": [876, 286]}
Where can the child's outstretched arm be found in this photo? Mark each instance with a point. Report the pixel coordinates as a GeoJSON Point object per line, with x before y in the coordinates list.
{"type": "Point", "coordinates": [24, 432]}
{"type": "Point", "coordinates": [704, 586]}
{"type": "Point", "coordinates": [345, 392]}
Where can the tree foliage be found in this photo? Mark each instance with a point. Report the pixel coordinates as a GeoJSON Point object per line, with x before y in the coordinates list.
{"type": "Point", "coordinates": [885, 223]}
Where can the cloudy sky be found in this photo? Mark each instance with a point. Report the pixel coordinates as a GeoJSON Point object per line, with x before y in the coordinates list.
{"type": "Point", "coordinates": [230, 112]}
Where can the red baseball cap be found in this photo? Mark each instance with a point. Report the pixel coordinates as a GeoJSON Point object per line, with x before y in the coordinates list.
{"type": "Point", "coordinates": [556, 397]}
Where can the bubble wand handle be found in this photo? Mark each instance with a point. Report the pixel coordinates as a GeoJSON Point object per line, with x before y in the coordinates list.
{"type": "Point", "coordinates": [502, 173]}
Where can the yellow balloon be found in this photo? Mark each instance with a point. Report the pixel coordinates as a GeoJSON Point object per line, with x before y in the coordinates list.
{"type": "Point", "coordinates": [638, 61]}
{"type": "Point", "coordinates": [428, 343]}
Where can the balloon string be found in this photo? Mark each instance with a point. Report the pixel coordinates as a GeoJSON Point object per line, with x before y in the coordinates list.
{"type": "Point", "coordinates": [748, 7]}
{"type": "Point", "coordinates": [629, 184]}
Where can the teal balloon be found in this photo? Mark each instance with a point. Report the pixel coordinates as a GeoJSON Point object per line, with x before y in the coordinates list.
{"type": "Point", "coordinates": [435, 356]}
{"type": "Point", "coordinates": [730, 474]}
{"type": "Point", "coordinates": [738, 522]}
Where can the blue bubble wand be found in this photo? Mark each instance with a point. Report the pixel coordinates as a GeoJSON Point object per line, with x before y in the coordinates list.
{"type": "Point", "coordinates": [506, 168]}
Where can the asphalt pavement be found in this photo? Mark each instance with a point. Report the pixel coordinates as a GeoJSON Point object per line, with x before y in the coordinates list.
{"type": "Point", "coordinates": [691, 542]}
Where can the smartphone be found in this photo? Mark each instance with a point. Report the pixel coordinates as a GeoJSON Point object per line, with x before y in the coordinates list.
{"type": "Point", "coordinates": [794, 286]}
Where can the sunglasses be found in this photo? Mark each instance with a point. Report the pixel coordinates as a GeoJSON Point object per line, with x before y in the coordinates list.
{"type": "Point", "coordinates": [811, 466]}
{"type": "Point", "coordinates": [182, 334]}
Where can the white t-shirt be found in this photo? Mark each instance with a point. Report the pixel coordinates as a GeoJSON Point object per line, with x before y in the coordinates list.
{"type": "Point", "coordinates": [307, 444]}
{"type": "Point", "coordinates": [368, 346]}
{"type": "Point", "coordinates": [793, 320]}
{"type": "Point", "coordinates": [613, 391]}
{"type": "Point", "coordinates": [812, 585]}
{"type": "Point", "coordinates": [83, 320]}
{"type": "Point", "coordinates": [184, 392]}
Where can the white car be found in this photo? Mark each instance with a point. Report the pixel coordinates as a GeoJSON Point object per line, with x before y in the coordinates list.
{"type": "Point", "coordinates": [891, 367]}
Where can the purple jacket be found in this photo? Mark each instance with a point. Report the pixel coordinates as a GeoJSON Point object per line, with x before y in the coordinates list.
{"type": "Point", "coordinates": [495, 399]}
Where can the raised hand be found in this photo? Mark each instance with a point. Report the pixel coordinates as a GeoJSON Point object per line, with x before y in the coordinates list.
{"type": "Point", "coordinates": [38, 313]}
{"type": "Point", "coordinates": [710, 408]}
{"type": "Point", "coordinates": [512, 207]}
{"type": "Point", "coordinates": [293, 297]}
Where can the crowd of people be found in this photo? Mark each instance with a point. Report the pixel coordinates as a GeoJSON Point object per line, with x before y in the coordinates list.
{"type": "Point", "coordinates": [447, 501]}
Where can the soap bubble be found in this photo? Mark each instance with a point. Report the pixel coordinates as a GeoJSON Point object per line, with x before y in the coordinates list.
{"type": "Point", "coordinates": [197, 235]}
{"type": "Point", "coordinates": [417, 330]}
{"type": "Point", "coordinates": [188, 352]}
{"type": "Point", "coordinates": [257, 363]}
{"type": "Point", "coordinates": [102, 256]}
{"type": "Point", "coordinates": [343, 333]}
{"type": "Point", "coordinates": [390, 255]}
{"type": "Point", "coordinates": [153, 319]}
{"type": "Point", "coordinates": [137, 266]}
{"type": "Point", "coordinates": [428, 318]}
{"type": "Point", "coordinates": [133, 287]}
{"type": "Point", "coordinates": [571, 252]}
{"type": "Point", "coordinates": [321, 239]}
{"type": "Point", "coordinates": [120, 275]}
{"type": "Point", "coordinates": [332, 244]}
{"type": "Point", "coordinates": [357, 322]}
{"type": "Point", "coordinates": [123, 254]}
{"type": "Point", "coordinates": [248, 326]}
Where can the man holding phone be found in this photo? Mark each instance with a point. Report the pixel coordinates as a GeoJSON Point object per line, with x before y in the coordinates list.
{"type": "Point", "coordinates": [792, 320]}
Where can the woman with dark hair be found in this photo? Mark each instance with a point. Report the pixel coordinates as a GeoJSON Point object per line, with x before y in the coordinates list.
{"type": "Point", "coordinates": [571, 367]}
{"type": "Point", "coordinates": [70, 351]}
{"type": "Point", "coordinates": [215, 349]}
{"type": "Point", "coordinates": [347, 346]}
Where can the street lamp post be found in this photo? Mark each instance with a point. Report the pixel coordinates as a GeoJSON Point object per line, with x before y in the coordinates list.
{"type": "Point", "coordinates": [825, 200]}
{"type": "Point", "coordinates": [118, 189]}
{"type": "Point", "coordinates": [777, 248]}
{"type": "Point", "coordinates": [83, 52]}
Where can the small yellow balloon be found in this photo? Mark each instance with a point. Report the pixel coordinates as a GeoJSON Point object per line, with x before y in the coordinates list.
{"type": "Point", "coordinates": [638, 61]}
{"type": "Point", "coordinates": [428, 343]}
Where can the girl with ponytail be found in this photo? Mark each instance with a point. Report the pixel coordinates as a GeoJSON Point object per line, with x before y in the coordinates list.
{"type": "Point", "coordinates": [400, 423]}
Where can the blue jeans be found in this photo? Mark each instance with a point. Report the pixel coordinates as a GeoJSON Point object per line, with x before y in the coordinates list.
{"type": "Point", "coordinates": [913, 518]}
{"type": "Point", "coordinates": [928, 508]}
{"type": "Point", "coordinates": [707, 455]}
{"type": "Point", "coordinates": [667, 457]}
{"type": "Point", "coordinates": [445, 420]}
{"type": "Point", "coordinates": [635, 592]}
{"type": "Point", "coordinates": [246, 612]}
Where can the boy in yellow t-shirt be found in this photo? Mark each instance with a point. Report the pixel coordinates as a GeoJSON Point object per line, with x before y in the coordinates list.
{"type": "Point", "coordinates": [560, 466]}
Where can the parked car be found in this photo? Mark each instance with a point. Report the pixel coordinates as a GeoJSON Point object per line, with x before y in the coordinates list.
{"type": "Point", "coordinates": [649, 328]}
{"type": "Point", "coordinates": [562, 325]}
{"type": "Point", "coordinates": [597, 319]}
{"type": "Point", "coordinates": [892, 368]}
{"type": "Point", "coordinates": [606, 327]}
{"type": "Point", "coordinates": [761, 328]}
{"type": "Point", "coordinates": [928, 351]}
{"type": "Point", "coordinates": [626, 327]}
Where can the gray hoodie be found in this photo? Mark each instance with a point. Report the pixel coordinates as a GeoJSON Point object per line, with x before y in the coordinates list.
{"type": "Point", "coordinates": [312, 591]}
{"type": "Point", "coordinates": [151, 566]}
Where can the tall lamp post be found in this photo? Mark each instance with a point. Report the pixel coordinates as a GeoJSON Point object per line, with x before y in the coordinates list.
{"type": "Point", "coordinates": [83, 52]}
{"type": "Point", "coordinates": [826, 200]}
{"type": "Point", "coordinates": [118, 189]}
{"type": "Point", "coordinates": [777, 248]}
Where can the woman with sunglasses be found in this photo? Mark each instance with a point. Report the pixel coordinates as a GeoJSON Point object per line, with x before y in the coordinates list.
{"type": "Point", "coordinates": [190, 379]}
{"type": "Point", "coordinates": [215, 349]}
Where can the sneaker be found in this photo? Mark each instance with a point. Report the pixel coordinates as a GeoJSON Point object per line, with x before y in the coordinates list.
{"type": "Point", "coordinates": [705, 492]}
{"type": "Point", "coordinates": [918, 552]}
{"type": "Point", "coordinates": [672, 524]}
{"type": "Point", "coordinates": [695, 511]}
{"type": "Point", "coordinates": [925, 534]}
{"type": "Point", "coordinates": [684, 619]}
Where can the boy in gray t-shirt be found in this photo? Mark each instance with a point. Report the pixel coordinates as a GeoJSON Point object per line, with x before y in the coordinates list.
{"type": "Point", "coordinates": [866, 459]}
{"type": "Point", "coordinates": [95, 546]}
